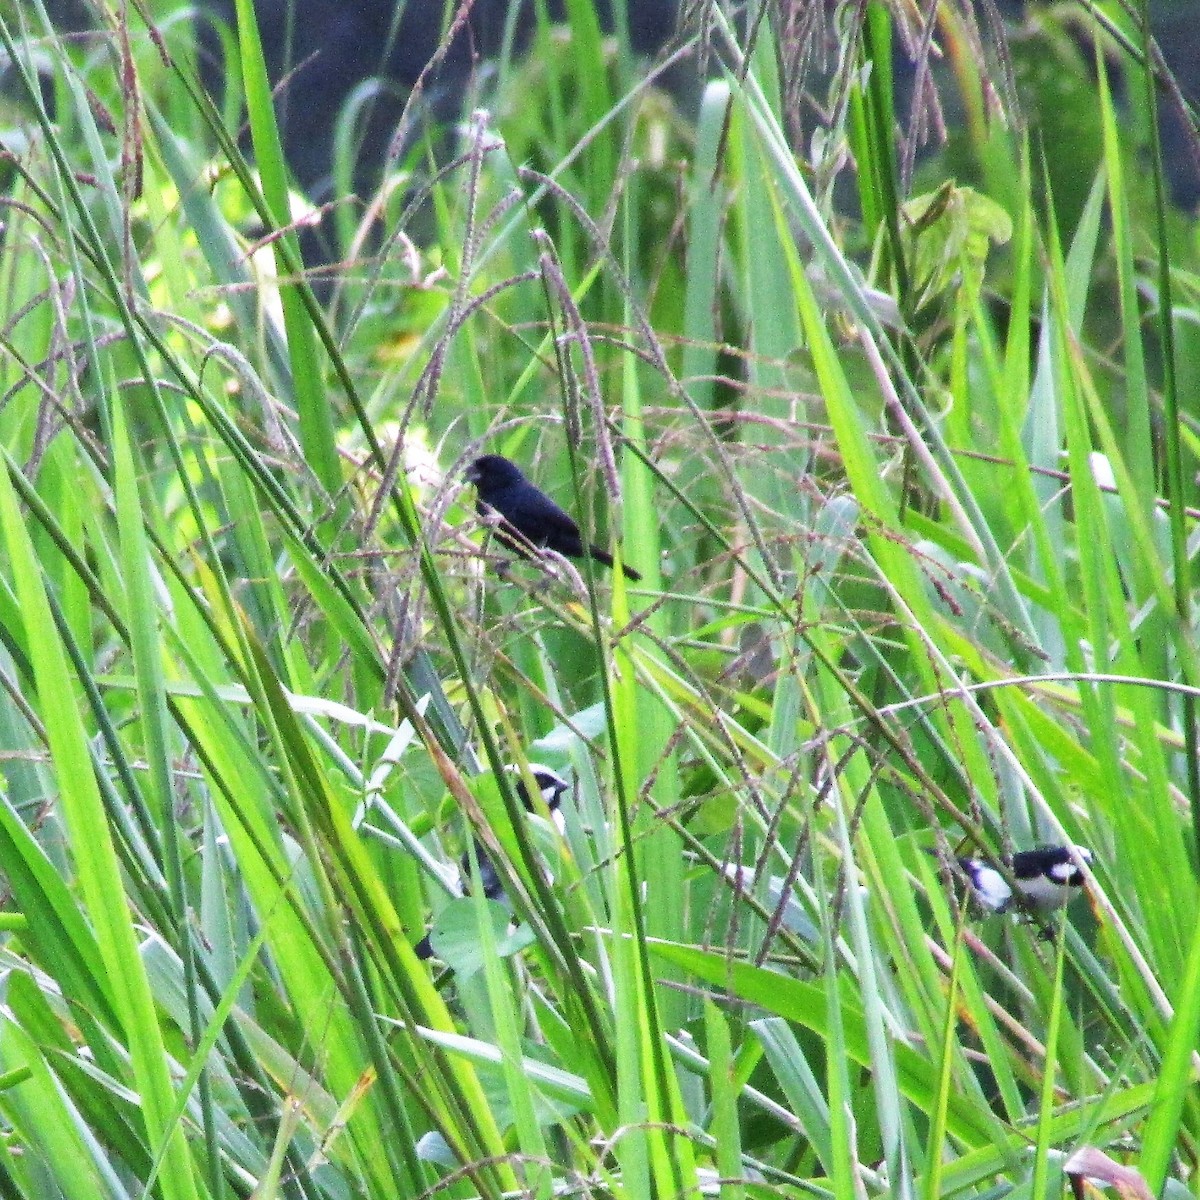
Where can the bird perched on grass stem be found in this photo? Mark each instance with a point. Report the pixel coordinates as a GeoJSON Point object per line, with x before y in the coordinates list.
{"type": "Point", "coordinates": [552, 787]}
{"type": "Point", "coordinates": [529, 516]}
{"type": "Point", "coordinates": [1045, 876]}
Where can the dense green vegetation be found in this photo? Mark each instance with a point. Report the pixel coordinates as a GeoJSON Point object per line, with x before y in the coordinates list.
{"type": "Point", "coordinates": [902, 447]}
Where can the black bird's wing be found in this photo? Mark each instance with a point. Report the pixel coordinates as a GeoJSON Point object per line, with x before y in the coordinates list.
{"type": "Point", "coordinates": [562, 534]}
{"type": "Point", "coordinates": [566, 539]}
{"type": "Point", "coordinates": [533, 517]}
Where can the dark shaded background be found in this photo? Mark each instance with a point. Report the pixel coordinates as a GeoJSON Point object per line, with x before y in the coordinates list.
{"type": "Point", "coordinates": [331, 47]}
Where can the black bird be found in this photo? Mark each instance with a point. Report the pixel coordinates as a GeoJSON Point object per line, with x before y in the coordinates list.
{"type": "Point", "coordinates": [552, 787]}
{"type": "Point", "coordinates": [1045, 877]}
{"type": "Point", "coordinates": [529, 513]}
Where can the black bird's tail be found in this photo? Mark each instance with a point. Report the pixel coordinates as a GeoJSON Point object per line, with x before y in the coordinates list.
{"type": "Point", "coordinates": [603, 556]}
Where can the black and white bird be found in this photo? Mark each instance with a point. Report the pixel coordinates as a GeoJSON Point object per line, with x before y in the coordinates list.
{"type": "Point", "coordinates": [552, 787]}
{"type": "Point", "coordinates": [528, 516]}
{"type": "Point", "coordinates": [1047, 877]}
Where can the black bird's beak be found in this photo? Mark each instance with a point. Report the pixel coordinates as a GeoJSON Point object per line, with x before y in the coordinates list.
{"type": "Point", "coordinates": [472, 474]}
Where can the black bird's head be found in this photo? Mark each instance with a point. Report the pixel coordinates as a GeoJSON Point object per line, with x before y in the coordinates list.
{"type": "Point", "coordinates": [550, 783]}
{"type": "Point", "coordinates": [1046, 874]}
{"type": "Point", "coordinates": [493, 471]}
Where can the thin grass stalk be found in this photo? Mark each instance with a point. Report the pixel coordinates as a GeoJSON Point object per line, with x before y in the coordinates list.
{"type": "Point", "coordinates": [672, 1168]}
{"type": "Point", "coordinates": [1176, 492]}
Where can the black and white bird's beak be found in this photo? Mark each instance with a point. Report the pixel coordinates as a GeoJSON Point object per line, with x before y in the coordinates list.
{"type": "Point", "coordinates": [1046, 878]}
{"type": "Point", "coordinates": [471, 475]}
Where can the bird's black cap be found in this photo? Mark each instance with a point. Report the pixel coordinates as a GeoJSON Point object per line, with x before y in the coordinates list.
{"type": "Point", "coordinates": [550, 783]}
